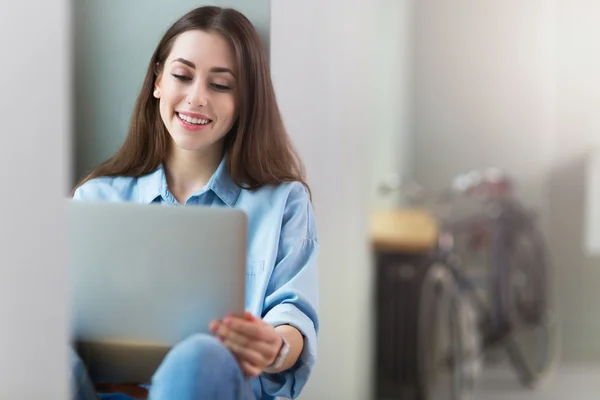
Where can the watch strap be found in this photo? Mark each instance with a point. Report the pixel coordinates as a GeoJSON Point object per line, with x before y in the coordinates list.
{"type": "Point", "coordinates": [282, 355]}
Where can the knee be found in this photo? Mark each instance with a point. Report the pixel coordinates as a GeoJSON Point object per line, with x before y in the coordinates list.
{"type": "Point", "coordinates": [199, 355]}
{"type": "Point", "coordinates": [201, 347]}
{"type": "Point", "coordinates": [200, 367]}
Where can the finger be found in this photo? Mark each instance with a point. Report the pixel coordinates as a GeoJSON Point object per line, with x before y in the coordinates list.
{"type": "Point", "coordinates": [214, 325]}
{"type": "Point", "coordinates": [250, 370]}
{"type": "Point", "coordinates": [256, 330]}
{"type": "Point", "coordinates": [267, 351]}
{"type": "Point", "coordinates": [223, 332]}
{"type": "Point", "coordinates": [245, 353]}
{"type": "Point", "coordinates": [231, 335]}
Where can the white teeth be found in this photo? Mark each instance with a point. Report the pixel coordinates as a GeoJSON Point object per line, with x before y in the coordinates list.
{"type": "Point", "coordinates": [193, 120]}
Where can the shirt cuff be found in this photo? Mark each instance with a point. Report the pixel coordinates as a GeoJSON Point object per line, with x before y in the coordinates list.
{"type": "Point", "coordinates": [289, 383]}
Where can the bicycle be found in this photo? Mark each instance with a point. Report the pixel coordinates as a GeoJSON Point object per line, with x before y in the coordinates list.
{"type": "Point", "coordinates": [462, 317]}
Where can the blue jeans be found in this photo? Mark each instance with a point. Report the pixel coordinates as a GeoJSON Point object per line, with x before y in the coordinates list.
{"type": "Point", "coordinates": [200, 367]}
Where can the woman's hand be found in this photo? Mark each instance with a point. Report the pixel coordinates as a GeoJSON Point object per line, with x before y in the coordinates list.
{"type": "Point", "coordinates": [254, 342]}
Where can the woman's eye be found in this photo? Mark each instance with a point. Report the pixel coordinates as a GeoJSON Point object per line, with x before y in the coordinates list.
{"type": "Point", "coordinates": [221, 88]}
{"type": "Point", "coordinates": [182, 78]}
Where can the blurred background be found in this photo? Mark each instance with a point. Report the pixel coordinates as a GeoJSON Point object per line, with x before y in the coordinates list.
{"type": "Point", "coordinates": [369, 90]}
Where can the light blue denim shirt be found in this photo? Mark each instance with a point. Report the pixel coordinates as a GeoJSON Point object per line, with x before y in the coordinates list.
{"type": "Point", "coordinates": [281, 271]}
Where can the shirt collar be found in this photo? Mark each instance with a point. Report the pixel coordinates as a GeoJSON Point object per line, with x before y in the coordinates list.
{"type": "Point", "coordinates": [223, 185]}
{"type": "Point", "coordinates": [154, 185]}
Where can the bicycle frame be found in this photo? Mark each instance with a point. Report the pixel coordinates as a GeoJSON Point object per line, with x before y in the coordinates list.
{"type": "Point", "coordinates": [493, 230]}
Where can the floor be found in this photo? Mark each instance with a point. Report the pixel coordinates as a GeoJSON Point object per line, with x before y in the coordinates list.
{"type": "Point", "coordinates": [570, 382]}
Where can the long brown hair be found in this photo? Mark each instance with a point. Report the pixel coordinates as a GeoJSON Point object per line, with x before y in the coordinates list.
{"type": "Point", "coordinates": [259, 151]}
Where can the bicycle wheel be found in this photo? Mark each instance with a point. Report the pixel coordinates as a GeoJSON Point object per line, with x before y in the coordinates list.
{"type": "Point", "coordinates": [529, 277]}
{"type": "Point", "coordinates": [445, 370]}
{"type": "Point", "coordinates": [534, 352]}
{"type": "Point", "coordinates": [534, 343]}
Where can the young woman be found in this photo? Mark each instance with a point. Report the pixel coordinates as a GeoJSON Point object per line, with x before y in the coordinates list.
{"type": "Point", "coordinates": [206, 130]}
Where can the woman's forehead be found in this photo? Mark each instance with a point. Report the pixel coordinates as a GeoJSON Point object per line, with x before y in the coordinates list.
{"type": "Point", "coordinates": [205, 50]}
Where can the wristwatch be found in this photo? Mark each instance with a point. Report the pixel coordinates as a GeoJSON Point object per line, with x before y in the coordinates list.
{"type": "Point", "coordinates": [281, 356]}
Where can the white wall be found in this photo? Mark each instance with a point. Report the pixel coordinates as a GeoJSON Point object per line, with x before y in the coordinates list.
{"type": "Point", "coordinates": [391, 138]}
{"type": "Point", "coordinates": [485, 89]}
{"type": "Point", "coordinates": [34, 104]}
{"type": "Point", "coordinates": [320, 62]}
{"type": "Point", "coordinates": [578, 135]}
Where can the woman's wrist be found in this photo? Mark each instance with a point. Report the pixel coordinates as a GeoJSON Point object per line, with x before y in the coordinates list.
{"type": "Point", "coordinates": [280, 357]}
{"type": "Point", "coordinates": [294, 343]}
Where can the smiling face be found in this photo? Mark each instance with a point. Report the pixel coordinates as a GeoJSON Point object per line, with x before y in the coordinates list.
{"type": "Point", "coordinates": [197, 91]}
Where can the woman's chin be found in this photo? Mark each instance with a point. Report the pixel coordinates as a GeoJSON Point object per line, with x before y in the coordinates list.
{"type": "Point", "coordinates": [194, 144]}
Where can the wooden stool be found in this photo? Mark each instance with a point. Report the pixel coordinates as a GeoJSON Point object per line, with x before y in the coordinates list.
{"type": "Point", "coordinates": [403, 231]}
{"type": "Point", "coordinates": [403, 242]}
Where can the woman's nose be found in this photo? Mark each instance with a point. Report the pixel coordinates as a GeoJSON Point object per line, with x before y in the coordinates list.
{"type": "Point", "coordinates": [197, 96]}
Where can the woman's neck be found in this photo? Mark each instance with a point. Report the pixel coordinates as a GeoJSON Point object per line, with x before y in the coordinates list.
{"type": "Point", "coordinates": [189, 171]}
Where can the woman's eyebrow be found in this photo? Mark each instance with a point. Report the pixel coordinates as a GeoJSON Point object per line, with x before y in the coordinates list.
{"type": "Point", "coordinates": [186, 62]}
{"type": "Point", "coordinates": [218, 70]}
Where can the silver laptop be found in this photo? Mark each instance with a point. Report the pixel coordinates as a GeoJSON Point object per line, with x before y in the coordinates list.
{"type": "Point", "coordinates": [145, 277]}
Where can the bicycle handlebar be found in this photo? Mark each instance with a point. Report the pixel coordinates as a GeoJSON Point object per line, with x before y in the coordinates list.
{"type": "Point", "coordinates": [489, 183]}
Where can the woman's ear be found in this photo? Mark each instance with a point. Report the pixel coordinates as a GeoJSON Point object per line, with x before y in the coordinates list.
{"type": "Point", "coordinates": [156, 92]}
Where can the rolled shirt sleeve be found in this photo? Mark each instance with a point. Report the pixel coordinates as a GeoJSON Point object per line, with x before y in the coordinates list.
{"type": "Point", "coordinates": [292, 293]}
